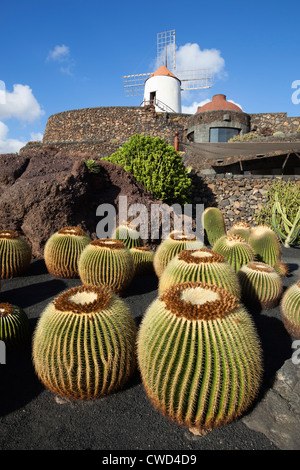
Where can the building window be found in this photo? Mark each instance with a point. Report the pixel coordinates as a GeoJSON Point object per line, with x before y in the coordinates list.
{"type": "Point", "coordinates": [222, 134]}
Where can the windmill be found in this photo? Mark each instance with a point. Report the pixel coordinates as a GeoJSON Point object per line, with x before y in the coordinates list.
{"type": "Point", "coordinates": [163, 87]}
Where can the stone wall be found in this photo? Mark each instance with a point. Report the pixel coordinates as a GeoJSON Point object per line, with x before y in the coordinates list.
{"type": "Point", "coordinates": [104, 130]}
{"type": "Point", "coordinates": [274, 122]}
{"type": "Point", "coordinates": [239, 197]}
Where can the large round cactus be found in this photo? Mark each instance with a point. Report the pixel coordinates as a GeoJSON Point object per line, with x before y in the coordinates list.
{"type": "Point", "coordinates": [199, 356]}
{"type": "Point", "coordinates": [143, 259]}
{"type": "Point", "coordinates": [172, 246]}
{"type": "Point", "coordinates": [265, 244]}
{"type": "Point", "coordinates": [260, 284]}
{"type": "Point", "coordinates": [290, 310]}
{"type": "Point", "coordinates": [202, 265]}
{"type": "Point", "coordinates": [214, 225]}
{"type": "Point", "coordinates": [14, 326]}
{"type": "Point", "coordinates": [235, 250]}
{"type": "Point", "coordinates": [84, 343]}
{"type": "Point", "coordinates": [127, 233]}
{"type": "Point", "coordinates": [15, 254]}
{"type": "Point", "coordinates": [242, 229]}
{"type": "Point", "coordinates": [106, 262]}
{"type": "Point", "coordinates": [62, 251]}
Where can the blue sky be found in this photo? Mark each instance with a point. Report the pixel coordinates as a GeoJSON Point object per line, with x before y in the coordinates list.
{"type": "Point", "coordinates": [69, 54]}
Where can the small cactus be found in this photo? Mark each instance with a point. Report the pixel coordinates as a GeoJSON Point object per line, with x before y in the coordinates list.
{"type": "Point", "coordinates": [127, 233]}
{"type": "Point", "coordinates": [15, 254]}
{"type": "Point", "coordinates": [62, 251]}
{"type": "Point", "coordinates": [84, 343]}
{"type": "Point", "coordinates": [265, 244]}
{"type": "Point", "coordinates": [214, 225]}
{"type": "Point", "coordinates": [143, 259]}
{"type": "Point", "coordinates": [260, 284]}
{"type": "Point", "coordinates": [290, 310]}
{"type": "Point", "coordinates": [14, 326]}
{"type": "Point", "coordinates": [106, 262]}
{"type": "Point", "coordinates": [242, 229]}
{"type": "Point", "coordinates": [172, 246]}
{"type": "Point", "coordinates": [235, 250]}
{"type": "Point", "coordinates": [199, 356]}
{"type": "Point", "coordinates": [202, 265]}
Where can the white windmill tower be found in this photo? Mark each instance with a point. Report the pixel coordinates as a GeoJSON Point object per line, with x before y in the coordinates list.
{"type": "Point", "coordinates": [163, 87]}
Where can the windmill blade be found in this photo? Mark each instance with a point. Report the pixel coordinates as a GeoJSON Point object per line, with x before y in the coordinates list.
{"type": "Point", "coordinates": [134, 84]}
{"type": "Point", "coordinates": [166, 49]}
{"type": "Point", "coordinates": [195, 79]}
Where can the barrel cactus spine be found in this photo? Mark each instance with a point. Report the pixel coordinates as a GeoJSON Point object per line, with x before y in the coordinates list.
{"type": "Point", "coordinates": [242, 229]}
{"type": "Point", "coordinates": [14, 326]}
{"type": "Point", "coordinates": [265, 244]}
{"type": "Point", "coordinates": [62, 251]}
{"type": "Point", "coordinates": [260, 285]}
{"type": "Point", "coordinates": [128, 234]}
{"type": "Point", "coordinates": [143, 259]}
{"type": "Point", "coordinates": [282, 268]}
{"type": "Point", "coordinates": [171, 246]}
{"type": "Point", "coordinates": [235, 250]}
{"type": "Point", "coordinates": [202, 265]}
{"type": "Point", "coordinates": [98, 321]}
{"type": "Point", "coordinates": [15, 254]}
{"type": "Point", "coordinates": [290, 310]}
{"type": "Point", "coordinates": [214, 225]}
{"type": "Point", "coordinates": [200, 356]}
{"type": "Point", "coordinates": [106, 262]}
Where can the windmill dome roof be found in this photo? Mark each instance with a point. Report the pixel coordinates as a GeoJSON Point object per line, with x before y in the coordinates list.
{"type": "Point", "coordinates": [163, 71]}
{"type": "Point", "coordinates": [219, 102]}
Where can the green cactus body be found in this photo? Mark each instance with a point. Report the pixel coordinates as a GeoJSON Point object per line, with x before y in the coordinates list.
{"type": "Point", "coordinates": [290, 310]}
{"type": "Point", "coordinates": [128, 234]}
{"type": "Point", "coordinates": [62, 251]}
{"type": "Point", "coordinates": [235, 251]}
{"type": "Point", "coordinates": [172, 246]}
{"type": "Point", "coordinates": [14, 326]}
{"type": "Point", "coordinates": [214, 225]}
{"type": "Point", "coordinates": [15, 254]}
{"type": "Point", "coordinates": [242, 229]}
{"type": "Point", "coordinates": [199, 356]}
{"type": "Point", "coordinates": [202, 265]}
{"type": "Point", "coordinates": [84, 343]}
{"type": "Point", "coordinates": [265, 244]}
{"type": "Point", "coordinates": [106, 262]}
{"type": "Point", "coordinates": [260, 285]}
{"type": "Point", "coordinates": [143, 259]}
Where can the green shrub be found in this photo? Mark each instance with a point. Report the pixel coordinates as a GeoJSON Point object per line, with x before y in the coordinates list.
{"type": "Point", "coordinates": [288, 196]}
{"type": "Point", "coordinates": [157, 166]}
{"type": "Point", "coordinates": [92, 166]}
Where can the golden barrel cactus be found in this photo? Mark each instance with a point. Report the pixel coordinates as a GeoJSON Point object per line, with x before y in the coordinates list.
{"type": "Point", "coordinates": [84, 343]}
{"type": "Point", "coordinates": [200, 356]}
{"type": "Point", "coordinates": [15, 254]}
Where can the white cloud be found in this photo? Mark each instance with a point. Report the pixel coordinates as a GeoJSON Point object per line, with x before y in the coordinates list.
{"type": "Point", "coordinates": [191, 57]}
{"type": "Point", "coordinates": [34, 136]}
{"type": "Point", "coordinates": [61, 54]}
{"type": "Point", "coordinates": [20, 104]}
{"type": "Point", "coordinates": [8, 145]}
{"type": "Point", "coordinates": [193, 107]}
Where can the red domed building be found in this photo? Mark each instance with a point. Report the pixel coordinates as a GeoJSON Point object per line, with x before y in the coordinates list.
{"type": "Point", "coordinates": [217, 121]}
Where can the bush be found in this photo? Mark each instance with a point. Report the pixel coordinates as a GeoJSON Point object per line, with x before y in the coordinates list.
{"type": "Point", "coordinates": [157, 166]}
{"type": "Point", "coordinates": [92, 166]}
{"type": "Point", "coordinates": [289, 198]}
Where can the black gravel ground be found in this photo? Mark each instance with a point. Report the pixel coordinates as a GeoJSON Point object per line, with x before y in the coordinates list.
{"type": "Point", "coordinates": [33, 418]}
